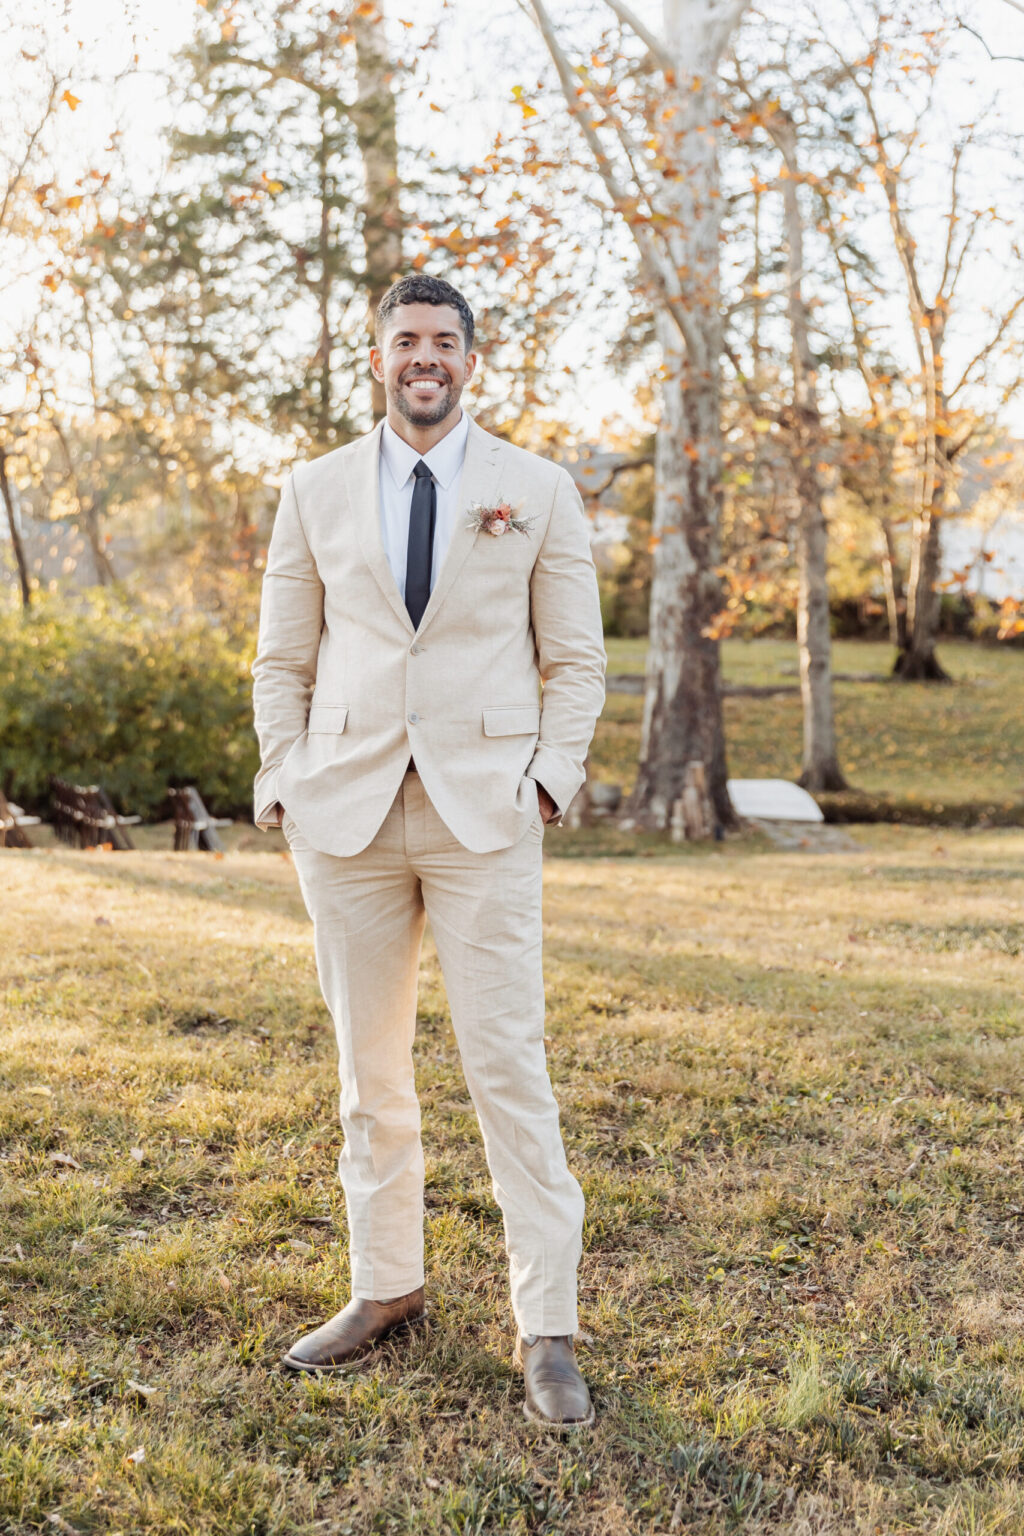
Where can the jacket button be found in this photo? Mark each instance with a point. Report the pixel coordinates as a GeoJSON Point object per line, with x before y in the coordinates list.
{"type": "Point", "coordinates": [416, 649]}
{"type": "Point", "coordinates": [414, 718]}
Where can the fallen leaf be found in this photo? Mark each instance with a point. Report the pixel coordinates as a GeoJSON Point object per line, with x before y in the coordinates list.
{"type": "Point", "coordinates": [40, 1088]}
{"type": "Point", "coordinates": [63, 1158]}
{"type": "Point", "coordinates": [137, 1153]}
{"type": "Point", "coordinates": [139, 1454]}
{"type": "Point", "coordinates": [56, 1519]}
{"type": "Point", "coordinates": [71, 100]}
{"type": "Point", "coordinates": [142, 1389]}
{"type": "Point", "coordinates": [299, 1246]}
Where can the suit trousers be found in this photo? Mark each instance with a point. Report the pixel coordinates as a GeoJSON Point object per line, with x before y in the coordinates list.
{"type": "Point", "coordinates": [368, 912]}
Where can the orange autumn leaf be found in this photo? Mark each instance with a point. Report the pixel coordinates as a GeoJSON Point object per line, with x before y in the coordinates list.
{"type": "Point", "coordinates": [71, 100]}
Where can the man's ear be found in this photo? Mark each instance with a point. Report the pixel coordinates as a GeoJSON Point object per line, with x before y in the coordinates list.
{"type": "Point", "coordinates": [377, 364]}
{"type": "Point", "coordinates": [472, 358]}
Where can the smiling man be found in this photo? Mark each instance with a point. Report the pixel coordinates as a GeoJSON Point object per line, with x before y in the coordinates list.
{"type": "Point", "coordinates": [422, 582]}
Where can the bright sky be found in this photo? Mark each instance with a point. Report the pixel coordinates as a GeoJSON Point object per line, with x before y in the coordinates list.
{"type": "Point", "coordinates": [465, 80]}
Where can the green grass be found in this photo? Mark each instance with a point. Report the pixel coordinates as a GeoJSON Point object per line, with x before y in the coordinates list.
{"type": "Point", "coordinates": [791, 1087]}
{"type": "Point", "coordinates": [936, 747]}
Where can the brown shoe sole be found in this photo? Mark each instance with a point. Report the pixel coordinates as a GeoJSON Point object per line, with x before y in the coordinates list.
{"type": "Point", "coordinates": [560, 1426]}
{"type": "Point", "coordinates": [357, 1362]}
{"type": "Point", "coordinates": [556, 1426]}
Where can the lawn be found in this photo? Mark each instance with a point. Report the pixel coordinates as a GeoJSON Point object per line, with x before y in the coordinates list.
{"type": "Point", "coordinates": [791, 1088]}
{"type": "Point", "coordinates": [894, 739]}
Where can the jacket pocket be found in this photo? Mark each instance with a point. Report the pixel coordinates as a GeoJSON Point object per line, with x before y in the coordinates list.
{"type": "Point", "coordinates": [512, 720]}
{"type": "Point", "coordinates": [327, 719]}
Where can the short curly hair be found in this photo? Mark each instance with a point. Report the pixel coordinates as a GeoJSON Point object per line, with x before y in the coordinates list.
{"type": "Point", "coordinates": [419, 288]}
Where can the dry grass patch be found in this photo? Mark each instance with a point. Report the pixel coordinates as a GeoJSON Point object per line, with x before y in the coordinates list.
{"type": "Point", "coordinates": [790, 1085]}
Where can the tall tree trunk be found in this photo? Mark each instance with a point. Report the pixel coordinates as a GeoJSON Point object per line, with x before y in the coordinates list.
{"type": "Point", "coordinates": [820, 767]}
{"type": "Point", "coordinates": [917, 662]}
{"type": "Point", "coordinates": [895, 598]}
{"type": "Point", "coordinates": [682, 716]}
{"type": "Point", "coordinates": [376, 125]}
{"type": "Point", "coordinates": [323, 351]}
{"type": "Point", "coordinates": [678, 242]}
{"type": "Point", "coordinates": [682, 720]}
{"type": "Point", "coordinates": [16, 541]}
{"type": "Point", "coordinates": [92, 517]}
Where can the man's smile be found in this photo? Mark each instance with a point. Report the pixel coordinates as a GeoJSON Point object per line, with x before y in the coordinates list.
{"type": "Point", "coordinates": [424, 386]}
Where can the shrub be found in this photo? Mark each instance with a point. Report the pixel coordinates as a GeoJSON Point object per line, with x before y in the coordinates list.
{"type": "Point", "coordinates": [101, 694]}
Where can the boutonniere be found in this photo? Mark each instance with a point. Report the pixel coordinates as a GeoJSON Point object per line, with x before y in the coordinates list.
{"type": "Point", "coordinates": [498, 520]}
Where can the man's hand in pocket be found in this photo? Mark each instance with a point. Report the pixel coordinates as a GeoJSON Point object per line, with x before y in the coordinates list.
{"type": "Point", "coordinates": [548, 808]}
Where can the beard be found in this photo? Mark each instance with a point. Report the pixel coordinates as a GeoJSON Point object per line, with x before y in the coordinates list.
{"type": "Point", "coordinates": [426, 413]}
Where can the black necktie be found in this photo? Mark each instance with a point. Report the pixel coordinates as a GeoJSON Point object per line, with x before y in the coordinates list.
{"type": "Point", "coordinates": [420, 553]}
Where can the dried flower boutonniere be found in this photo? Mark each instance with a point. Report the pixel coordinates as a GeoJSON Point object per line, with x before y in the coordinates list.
{"type": "Point", "coordinates": [498, 520]}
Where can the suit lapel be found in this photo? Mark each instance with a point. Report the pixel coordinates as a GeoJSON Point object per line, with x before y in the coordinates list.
{"type": "Point", "coordinates": [363, 485]}
{"type": "Point", "coordinates": [481, 473]}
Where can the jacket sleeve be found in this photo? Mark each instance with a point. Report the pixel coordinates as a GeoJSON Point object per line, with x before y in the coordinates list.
{"type": "Point", "coordinates": [284, 671]}
{"type": "Point", "coordinates": [566, 614]}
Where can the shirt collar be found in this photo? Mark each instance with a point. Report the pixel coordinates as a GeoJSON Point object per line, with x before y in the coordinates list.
{"type": "Point", "coordinates": [444, 460]}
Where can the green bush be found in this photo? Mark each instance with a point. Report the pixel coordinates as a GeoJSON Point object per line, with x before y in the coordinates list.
{"type": "Point", "coordinates": [101, 694]}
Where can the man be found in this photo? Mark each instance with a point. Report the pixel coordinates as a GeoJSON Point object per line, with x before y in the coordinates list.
{"type": "Point", "coordinates": [420, 583]}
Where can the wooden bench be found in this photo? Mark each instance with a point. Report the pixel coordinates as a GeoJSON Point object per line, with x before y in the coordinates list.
{"type": "Point", "coordinates": [194, 828]}
{"type": "Point", "coordinates": [12, 821]}
{"type": "Point", "coordinates": [84, 817]}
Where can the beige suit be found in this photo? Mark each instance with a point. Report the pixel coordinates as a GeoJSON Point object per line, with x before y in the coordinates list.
{"type": "Point", "coordinates": [346, 692]}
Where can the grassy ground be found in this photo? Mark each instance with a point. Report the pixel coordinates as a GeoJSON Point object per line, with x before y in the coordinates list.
{"type": "Point", "coordinates": [791, 1087]}
{"type": "Point", "coordinates": [894, 740]}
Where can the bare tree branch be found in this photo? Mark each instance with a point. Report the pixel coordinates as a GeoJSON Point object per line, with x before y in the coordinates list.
{"type": "Point", "coordinates": [1012, 58]}
{"type": "Point", "coordinates": [657, 268]}
{"type": "Point", "coordinates": [653, 42]}
{"type": "Point", "coordinates": [989, 347]}
{"type": "Point", "coordinates": [16, 175]}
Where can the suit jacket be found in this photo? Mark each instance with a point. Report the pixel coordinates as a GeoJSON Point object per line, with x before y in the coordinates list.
{"type": "Point", "coordinates": [346, 690]}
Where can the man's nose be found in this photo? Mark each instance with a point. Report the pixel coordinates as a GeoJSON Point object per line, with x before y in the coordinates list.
{"type": "Point", "coordinates": [424, 355]}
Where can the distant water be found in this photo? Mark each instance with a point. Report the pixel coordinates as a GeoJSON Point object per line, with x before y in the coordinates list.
{"type": "Point", "coordinates": [964, 546]}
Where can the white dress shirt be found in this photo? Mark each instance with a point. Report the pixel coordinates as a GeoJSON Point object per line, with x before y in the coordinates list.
{"type": "Point", "coordinates": [397, 461]}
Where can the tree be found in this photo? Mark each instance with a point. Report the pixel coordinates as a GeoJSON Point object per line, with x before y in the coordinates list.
{"type": "Point", "coordinates": [801, 434]}
{"type": "Point", "coordinates": [820, 769]}
{"type": "Point", "coordinates": [244, 285]}
{"type": "Point", "coordinates": [375, 118]}
{"type": "Point", "coordinates": [655, 148]}
{"type": "Point", "coordinates": [885, 92]}
{"type": "Point", "coordinates": [45, 200]}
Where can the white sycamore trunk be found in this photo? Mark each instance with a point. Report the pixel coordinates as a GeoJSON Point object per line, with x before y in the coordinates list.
{"type": "Point", "coordinates": [682, 720]}
{"type": "Point", "coordinates": [820, 769]}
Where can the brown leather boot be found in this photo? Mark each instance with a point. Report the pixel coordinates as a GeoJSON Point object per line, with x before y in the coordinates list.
{"type": "Point", "coordinates": [345, 1341]}
{"type": "Point", "coordinates": [556, 1394]}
